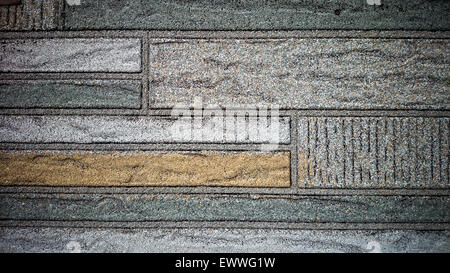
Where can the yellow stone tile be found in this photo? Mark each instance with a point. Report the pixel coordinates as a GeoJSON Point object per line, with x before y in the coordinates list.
{"type": "Point", "coordinates": [237, 169]}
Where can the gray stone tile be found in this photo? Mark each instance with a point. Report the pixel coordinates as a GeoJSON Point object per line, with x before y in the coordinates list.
{"type": "Point", "coordinates": [177, 207]}
{"type": "Point", "coordinates": [53, 240]}
{"type": "Point", "coordinates": [32, 15]}
{"type": "Point", "coordinates": [257, 15]}
{"type": "Point", "coordinates": [70, 55]}
{"type": "Point", "coordinates": [71, 94]}
{"type": "Point", "coordinates": [301, 73]}
{"type": "Point", "coordinates": [122, 129]}
{"type": "Point", "coordinates": [379, 152]}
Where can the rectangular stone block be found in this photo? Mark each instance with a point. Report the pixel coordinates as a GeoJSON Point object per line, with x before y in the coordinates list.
{"type": "Point", "coordinates": [70, 55]}
{"type": "Point", "coordinates": [375, 152]}
{"type": "Point", "coordinates": [142, 129]}
{"type": "Point", "coordinates": [175, 207]}
{"type": "Point", "coordinates": [32, 15]}
{"type": "Point", "coordinates": [173, 240]}
{"type": "Point", "coordinates": [145, 169]}
{"type": "Point", "coordinates": [71, 94]}
{"type": "Point", "coordinates": [301, 73]}
{"type": "Point", "coordinates": [258, 15]}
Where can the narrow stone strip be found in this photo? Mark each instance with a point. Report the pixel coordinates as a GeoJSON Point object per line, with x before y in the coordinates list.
{"type": "Point", "coordinates": [258, 15]}
{"type": "Point", "coordinates": [177, 207]}
{"type": "Point", "coordinates": [145, 169]}
{"type": "Point", "coordinates": [71, 55]}
{"type": "Point", "coordinates": [143, 129]}
{"type": "Point", "coordinates": [220, 240]}
{"type": "Point", "coordinates": [84, 94]}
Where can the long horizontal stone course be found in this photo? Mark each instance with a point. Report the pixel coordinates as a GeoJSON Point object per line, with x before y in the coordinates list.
{"type": "Point", "coordinates": [258, 15]}
{"type": "Point", "coordinates": [32, 15]}
{"type": "Point", "coordinates": [71, 94]}
{"type": "Point", "coordinates": [133, 207]}
{"type": "Point", "coordinates": [144, 169]}
{"type": "Point", "coordinates": [141, 129]}
{"type": "Point", "coordinates": [301, 73]}
{"type": "Point", "coordinates": [70, 55]}
{"type": "Point", "coordinates": [359, 152]}
{"type": "Point", "coordinates": [174, 240]}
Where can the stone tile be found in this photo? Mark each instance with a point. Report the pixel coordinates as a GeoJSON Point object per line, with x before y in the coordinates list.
{"type": "Point", "coordinates": [32, 15]}
{"type": "Point", "coordinates": [71, 55]}
{"type": "Point", "coordinates": [301, 73]}
{"type": "Point", "coordinates": [123, 129]}
{"type": "Point", "coordinates": [220, 240]}
{"type": "Point", "coordinates": [257, 15]}
{"type": "Point", "coordinates": [144, 169]}
{"type": "Point", "coordinates": [357, 152]}
{"type": "Point", "coordinates": [179, 207]}
{"type": "Point", "coordinates": [71, 94]}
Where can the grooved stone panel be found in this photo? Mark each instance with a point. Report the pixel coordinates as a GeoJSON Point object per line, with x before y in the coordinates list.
{"type": "Point", "coordinates": [32, 15]}
{"type": "Point", "coordinates": [360, 152]}
{"type": "Point", "coordinates": [257, 15]}
{"type": "Point", "coordinates": [143, 207]}
{"type": "Point", "coordinates": [302, 73]}
{"type": "Point", "coordinates": [70, 94]}
{"type": "Point", "coordinates": [70, 55]}
{"type": "Point", "coordinates": [204, 240]}
{"type": "Point", "coordinates": [144, 169]}
{"type": "Point", "coordinates": [142, 129]}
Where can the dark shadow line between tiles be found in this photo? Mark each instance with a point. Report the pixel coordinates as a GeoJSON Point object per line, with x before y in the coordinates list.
{"type": "Point", "coordinates": [422, 226]}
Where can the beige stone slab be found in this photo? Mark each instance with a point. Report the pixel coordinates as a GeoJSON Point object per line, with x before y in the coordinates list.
{"type": "Point", "coordinates": [240, 169]}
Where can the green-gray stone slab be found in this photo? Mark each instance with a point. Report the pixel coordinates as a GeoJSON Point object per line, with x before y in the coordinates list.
{"type": "Point", "coordinates": [70, 94]}
{"type": "Point", "coordinates": [220, 240]}
{"type": "Point", "coordinates": [258, 15]}
{"type": "Point", "coordinates": [134, 207]}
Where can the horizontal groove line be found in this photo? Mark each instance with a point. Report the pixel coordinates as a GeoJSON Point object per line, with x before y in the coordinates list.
{"type": "Point", "coordinates": [225, 224]}
{"type": "Point", "coordinates": [163, 112]}
{"type": "Point", "coordinates": [231, 34]}
{"type": "Point", "coordinates": [49, 76]}
{"type": "Point", "coordinates": [225, 191]}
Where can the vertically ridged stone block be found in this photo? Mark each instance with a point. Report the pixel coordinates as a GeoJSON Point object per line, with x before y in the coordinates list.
{"type": "Point", "coordinates": [32, 15]}
{"type": "Point", "coordinates": [363, 152]}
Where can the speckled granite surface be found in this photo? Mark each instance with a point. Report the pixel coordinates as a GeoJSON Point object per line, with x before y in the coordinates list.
{"type": "Point", "coordinates": [71, 55]}
{"type": "Point", "coordinates": [70, 94]}
{"type": "Point", "coordinates": [257, 15]}
{"type": "Point", "coordinates": [181, 207]}
{"type": "Point", "coordinates": [364, 125]}
{"type": "Point", "coordinates": [219, 240]}
{"type": "Point", "coordinates": [122, 129]}
{"type": "Point", "coordinates": [302, 73]}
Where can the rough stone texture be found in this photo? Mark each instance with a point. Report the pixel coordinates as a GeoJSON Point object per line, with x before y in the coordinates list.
{"type": "Point", "coordinates": [404, 153]}
{"type": "Point", "coordinates": [121, 129]}
{"type": "Point", "coordinates": [179, 207]}
{"type": "Point", "coordinates": [32, 15]}
{"type": "Point", "coordinates": [70, 94]}
{"type": "Point", "coordinates": [144, 169]}
{"type": "Point", "coordinates": [258, 15]}
{"type": "Point", "coordinates": [373, 152]}
{"type": "Point", "coordinates": [219, 240]}
{"type": "Point", "coordinates": [302, 73]}
{"type": "Point", "coordinates": [71, 55]}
